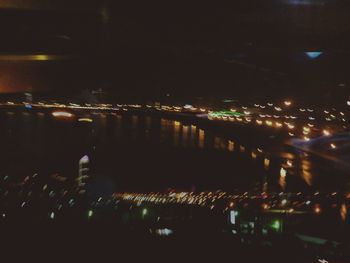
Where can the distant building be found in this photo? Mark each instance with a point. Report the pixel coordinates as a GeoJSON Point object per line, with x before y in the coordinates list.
{"type": "Point", "coordinates": [83, 173]}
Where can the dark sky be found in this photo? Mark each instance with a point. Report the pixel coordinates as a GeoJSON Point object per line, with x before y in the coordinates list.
{"type": "Point", "coordinates": [248, 48]}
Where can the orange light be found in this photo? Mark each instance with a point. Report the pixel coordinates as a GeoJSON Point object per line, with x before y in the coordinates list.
{"type": "Point", "coordinates": [318, 210]}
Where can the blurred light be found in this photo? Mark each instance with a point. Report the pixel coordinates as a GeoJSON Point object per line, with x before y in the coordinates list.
{"type": "Point", "coordinates": [52, 215]}
{"type": "Point", "coordinates": [306, 129]}
{"type": "Point", "coordinates": [343, 212]}
{"type": "Point", "coordinates": [164, 232]}
{"type": "Point", "coordinates": [317, 209]}
{"type": "Point", "coordinates": [85, 120]}
{"type": "Point", "coordinates": [283, 172]}
{"type": "Point", "coordinates": [287, 103]}
{"type": "Point", "coordinates": [233, 215]}
{"type": "Point", "coordinates": [326, 133]}
{"type": "Point", "coordinates": [266, 163]}
{"type": "Point", "coordinates": [278, 109]}
{"type": "Point", "coordinates": [62, 114]}
{"type": "Point", "coordinates": [269, 123]}
{"type": "Point", "coordinates": [144, 212]}
{"type": "Point", "coordinates": [276, 225]}
{"type": "Point", "coordinates": [279, 125]}
{"type": "Point", "coordinates": [314, 54]}
{"type": "Point", "coordinates": [90, 213]}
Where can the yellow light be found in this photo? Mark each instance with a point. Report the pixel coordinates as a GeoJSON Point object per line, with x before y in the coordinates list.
{"type": "Point", "coordinates": [266, 163]}
{"type": "Point", "coordinates": [306, 138]}
{"type": "Point", "coordinates": [306, 129]}
{"type": "Point", "coordinates": [278, 125]}
{"type": "Point", "coordinates": [269, 123]}
{"type": "Point", "coordinates": [283, 172]}
{"type": "Point", "coordinates": [253, 155]}
{"type": "Point", "coordinates": [326, 133]}
{"type": "Point", "coordinates": [259, 122]}
{"type": "Point", "coordinates": [290, 126]}
{"type": "Point", "coordinates": [231, 146]}
{"type": "Point", "coordinates": [85, 120]}
{"type": "Point", "coordinates": [287, 103]}
{"type": "Point", "coordinates": [333, 146]}
{"type": "Point", "coordinates": [265, 206]}
{"type": "Point", "coordinates": [62, 114]}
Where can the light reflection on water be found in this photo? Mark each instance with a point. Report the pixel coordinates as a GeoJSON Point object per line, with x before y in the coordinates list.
{"type": "Point", "coordinates": [300, 172]}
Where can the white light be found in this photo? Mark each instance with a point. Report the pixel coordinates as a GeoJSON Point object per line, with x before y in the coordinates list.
{"type": "Point", "coordinates": [287, 103]}
{"type": "Point", "coordinates": [278, 109]}
{"type": "Point", "coordinates": [62, 114]}
{"type": "Point", "coordinates": [233, 217]}
{"type": "Point", "coordinates": [84, 159]}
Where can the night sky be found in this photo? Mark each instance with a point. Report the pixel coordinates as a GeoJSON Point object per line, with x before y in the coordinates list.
{"type": "Point", "coordinates": [246, 49]}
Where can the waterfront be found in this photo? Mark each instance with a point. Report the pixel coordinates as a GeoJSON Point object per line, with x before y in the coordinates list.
{"type": "Point", "coordinates": [166, 153]}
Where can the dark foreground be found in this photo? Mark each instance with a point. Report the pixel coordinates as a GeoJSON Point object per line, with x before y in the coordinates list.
{"type": "Point", "coordinates": [103, 242]}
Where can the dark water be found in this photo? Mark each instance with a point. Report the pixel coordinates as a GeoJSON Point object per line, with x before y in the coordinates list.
{"type": "Point", "coordinates": [148, 153]}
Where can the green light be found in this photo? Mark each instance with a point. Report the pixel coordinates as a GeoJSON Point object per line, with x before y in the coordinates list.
{"type": "Point", "coordinates": [90, 213]}
{"type": "Point", "coordinates": [225, 114]}
{"type": "Point", "coordinates": [276, 225]}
